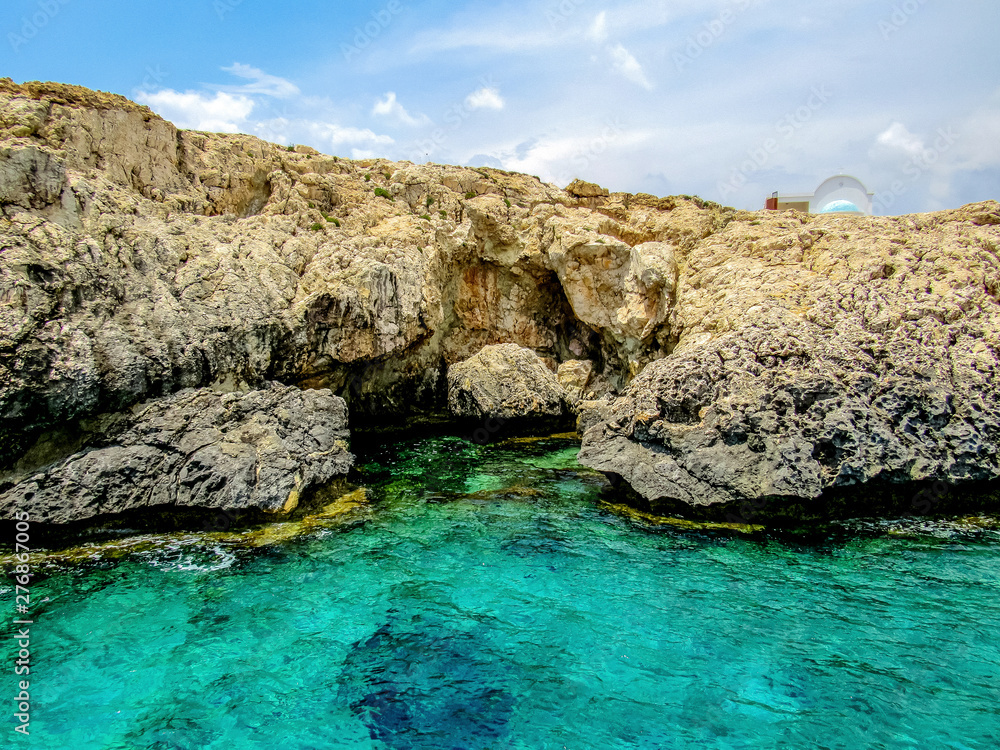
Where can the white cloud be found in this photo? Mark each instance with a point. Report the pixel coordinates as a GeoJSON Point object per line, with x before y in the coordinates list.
{"type": "Point", "coordinates": [485, 98]}
{"type": "Point", "coordinates": [979, 137]}
{"type": "Point", "coordinates": [483, 36]}
{"type": "Point", "coordinates": [629, 67]}
{"type": "Point", "coordinates": [599, 29]}
{"type": "Point", "coordinates": [897, 137]}
{"type": "Point", "coordinates": [559, 158]}
{"type": "Point", "coordinates": [390, 107]}
{"type": "Point", "coordinates": [220, 112]}
{"type": "Point", "coordinates": [274, 130]}
{"type": "Point", "coordinates": [260, 83]}
{"type": "Point", "coordinates": [337, 135]}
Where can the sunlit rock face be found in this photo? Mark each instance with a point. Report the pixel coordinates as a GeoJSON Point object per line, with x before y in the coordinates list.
{"type": "Point", "coordinates": [843, 355]}
{"type": "Point", "coordinates": [505, 382]}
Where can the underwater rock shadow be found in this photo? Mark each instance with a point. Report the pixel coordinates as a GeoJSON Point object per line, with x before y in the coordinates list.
{"type": "Point", "coordinates": [425, 683]}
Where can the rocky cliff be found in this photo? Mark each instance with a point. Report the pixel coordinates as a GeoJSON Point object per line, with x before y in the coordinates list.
{"type": "Point", "coordinates": [777, 355]}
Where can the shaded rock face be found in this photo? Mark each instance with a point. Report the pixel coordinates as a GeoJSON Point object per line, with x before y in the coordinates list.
{"type": "Point", "coordinates": [505, 382]}
{"type": "Point", "coordinates": [824, 365]}
{"type": "Point", "coordinates": [260, 450]}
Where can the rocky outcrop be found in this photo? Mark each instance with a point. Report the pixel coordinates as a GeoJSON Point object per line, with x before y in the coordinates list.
{"type": "Point", "coordinates": [581, 189]}
{"type": "Point", "coordinates": [816, 365]}
{"type": "Point", "coordinates": [263, 450]}
{"type": "Point", "coordinates": [137, 260]}
{"type": "Point", "coordinates": [505, 382]}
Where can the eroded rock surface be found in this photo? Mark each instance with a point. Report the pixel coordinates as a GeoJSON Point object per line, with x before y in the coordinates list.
{"type": "Point", "coordinates": [138, 259]}
{"type": "Point", "coordinates": [505, 382]}
{"type": "Point", "coordinates": [776, 353]}
{"type": "Point", "coordinates": [819, 363]}
{"type": "Point", "coordinates": [200, 448]}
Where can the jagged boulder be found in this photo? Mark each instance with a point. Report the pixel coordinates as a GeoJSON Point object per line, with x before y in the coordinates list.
{"type": "Point", "coordinates": [260, 450]}
{"type": "Point", "coordinates": [582, 189]}
{"type": "Point", "coordinates": [505, 382]}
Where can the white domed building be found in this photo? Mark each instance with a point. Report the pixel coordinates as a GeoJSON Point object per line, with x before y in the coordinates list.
{"type": "Point", "coordinates": [840, 194]}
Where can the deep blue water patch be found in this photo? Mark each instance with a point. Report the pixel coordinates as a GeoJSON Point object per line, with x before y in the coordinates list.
{"type": "Point", "coordinates": [492, 601]}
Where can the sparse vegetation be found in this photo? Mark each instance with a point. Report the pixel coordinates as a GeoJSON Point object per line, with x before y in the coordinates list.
{"type": "Point", "coordinates": [507, 201]}
{"type": "Point", "coordinates": [333, 220]}
{"type": "Point", "coordinates": [383, 193]}
{"type": "Point", "coordinates": [425, 217]}
{"type": "Point", "coordinates": [443, 214]}
{"type": "Point", "coordinates": [316, 227]}
{"type": "Point", "coordinates": [368, 178]}
{"type": "Point", "coordinates": [290, 148]}
{"type": "Point", "coordinates": [470, 195]}
{"type": "Point", "coordinates": [430, 201]}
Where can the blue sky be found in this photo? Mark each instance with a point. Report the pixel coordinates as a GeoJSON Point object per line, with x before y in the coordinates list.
{"type": "Point", "coordinates": [726, 99]}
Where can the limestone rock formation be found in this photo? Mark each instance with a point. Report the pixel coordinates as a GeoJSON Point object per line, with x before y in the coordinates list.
{"type": "Point", "coordinates": [504, 382]}
{"type": "Point", "coordinates": [198, 448]}
{"type": "Point", "coordinates": [815, 362]}
{"type": "Point", "coordinates": [582, 189]}
{"type": "Point", "coordinates": [574, 376]}
{"type": "Point", "coordinates": [764, 353]}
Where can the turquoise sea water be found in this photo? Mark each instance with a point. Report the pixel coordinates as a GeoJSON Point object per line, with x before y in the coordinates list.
{"type": "Point", "coordinates": [492, 601]}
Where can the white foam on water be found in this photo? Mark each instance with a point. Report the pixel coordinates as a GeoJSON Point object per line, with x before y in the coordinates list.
{"type": "Point", "coordinates": [187, 559]}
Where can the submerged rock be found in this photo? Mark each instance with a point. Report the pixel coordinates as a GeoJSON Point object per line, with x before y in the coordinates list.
{"type": "Point", "coordinates": [199, 448]}
{"type": "Point", "coordinates": [505, 382]}
{"type": "Point", "coordinates": [422, 683]}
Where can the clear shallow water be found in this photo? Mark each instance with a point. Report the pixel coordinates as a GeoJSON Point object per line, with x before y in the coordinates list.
{"type": "Point", "coordinates": [491, 602]}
